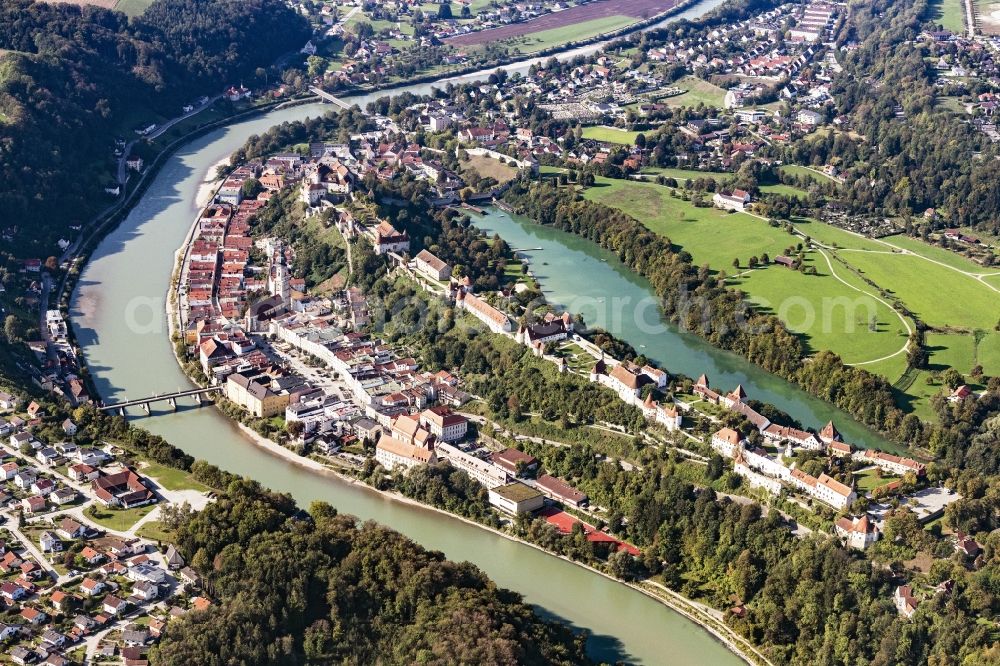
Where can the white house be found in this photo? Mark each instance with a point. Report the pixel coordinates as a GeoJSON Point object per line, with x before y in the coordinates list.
{"type": "Point", "coordinates": [857, 532]}
{"type": "Point", "coordinates": [393, 453]}
{"type": "Point", "coordinates": [431, 266]}
{"type": "Point", "coordinates": [445, 425]}
{"type": "Point", "coordinates": [495, 320]}
{"type": "Point", "coordinates": [726, 441]}
{"type": "Point", "coordinates": [736, 200]}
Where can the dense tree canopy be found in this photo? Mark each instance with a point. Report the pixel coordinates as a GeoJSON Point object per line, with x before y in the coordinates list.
{"type": "Point", "coordinates": [325, 589]}
{"type": "Point", "coordinates": [76, 77]}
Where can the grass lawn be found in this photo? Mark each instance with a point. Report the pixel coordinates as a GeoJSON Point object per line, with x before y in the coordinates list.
{"type": "Point", "coordinates": [957, 351]}
{"type": "Point", "coordinates": [953, 104]}
{"type": "Point", "coordinates": [828, 314]}
{"type": "Point", "coordinates": [797, 170]}
{"type": "Point", "coordinates": [118, 520]}
{"type": "Point", "coordinates": [949, 13]}
{"type": "Point", "coordinates": [155, 531]}
{"type": "Point", "coordinates": [685, 174]}
{"type": "Point", "coordinates": [870, 479]}
{"type": "Point", "coordinates": [698, 91]}
{"type": "Point", "coordinates": [993, 280]}
{"type": "Point", "coordinates": [610, 135]}
{"type": "Point", "coordinates": [939, 295]}
{"type": "Point", "coordinates": [711, 236]}
{"type": "Point", "coordinates": [988, 354]}
{"type": "Point", "coordinates": [171, 478]}
{"type": "Point", "coordinates": [488, 167]}
{"type": "Point", "coordinates": [784, 190]}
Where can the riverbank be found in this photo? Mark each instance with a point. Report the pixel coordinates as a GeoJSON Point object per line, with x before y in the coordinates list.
{"type": "Point", "coordinates": [675, 601]}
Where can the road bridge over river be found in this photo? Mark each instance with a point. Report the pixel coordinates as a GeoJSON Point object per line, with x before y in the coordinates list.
{"type": "Point", "coordinates": [170, 398]}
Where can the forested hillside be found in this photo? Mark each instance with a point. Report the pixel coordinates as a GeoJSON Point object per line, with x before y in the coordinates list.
{"type": "Point", "coordinates": [73, 78]}
{"type": "Point", "coordinates": [325, 589]}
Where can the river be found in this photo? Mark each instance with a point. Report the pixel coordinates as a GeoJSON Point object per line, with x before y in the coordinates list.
{"type": "Point", "coordinates": [616, 299]}
{"type": "Point", "coordinates": [117, 313]}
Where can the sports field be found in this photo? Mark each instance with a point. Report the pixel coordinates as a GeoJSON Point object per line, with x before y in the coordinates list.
{"type": "Point", "coordinates": [828, 309]}
{"type": "Point", "coordinates": [697, 92]}
{"type": "Point", "coordinates": [610, 135]}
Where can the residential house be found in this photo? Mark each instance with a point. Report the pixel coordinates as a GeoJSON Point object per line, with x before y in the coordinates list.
{"type": "Point", "coordinates": [81, 472]}
{"type": "Point", "coordinates": [61, 496]}
{"type": "Point", "coordinates": [124, 489]}
{"type": "Point", "coordinates": [736, 200]}
{"type": "Point", "coordinates": [905, 602]}
{"type": "Point", "coordinates": [113, 605]}
{"type": "Point", "coordinates": [33, 504]}
{"type": "Point", "coordinates": [49, 542]}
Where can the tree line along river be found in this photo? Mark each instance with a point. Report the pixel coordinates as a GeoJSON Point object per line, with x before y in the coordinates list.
{"type": "Point", "coordinates": [117, 313]}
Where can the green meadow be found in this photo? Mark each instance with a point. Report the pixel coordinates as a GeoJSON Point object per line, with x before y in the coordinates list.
{"type": "Point", "coordinates": [828, 311]}
{"type": "Point", "coordinates": [610, 135]}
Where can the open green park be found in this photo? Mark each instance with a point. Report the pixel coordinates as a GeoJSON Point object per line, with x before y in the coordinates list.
{"type": "Point", "coordinates": [838, 308]}
{"type": "Point", "coordinates": [829, 310]}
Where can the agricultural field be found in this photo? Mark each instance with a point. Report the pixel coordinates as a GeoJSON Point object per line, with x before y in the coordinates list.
{"type": "Point", "coordinates": [547, 39]}
{"type": "Point", "coordinates": [697, 91]}
{"type": "Point", "coordinates": [798, 170]}
{"type": "Point", "coordinates": [610, 135]}
{"type": "Point", "coordinates": [829, 310]}
{"type": "Point", "coordinates": [684, 174]}
{"type": "Point", "coordinates": [784, 190]}
{"type": "Point", "coordinates": [609, 13]}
